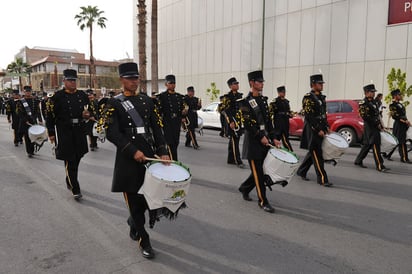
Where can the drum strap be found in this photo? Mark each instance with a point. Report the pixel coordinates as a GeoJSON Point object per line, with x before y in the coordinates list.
{"type": "Point", "coordinates": [129, 108]}
{"type": "Point", "coordinates": [258, 113]}
{"type": "Point", "coordinates": [26, 106]}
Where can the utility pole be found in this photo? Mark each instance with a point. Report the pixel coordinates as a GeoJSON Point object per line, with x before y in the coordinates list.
{"type": "Point", "coordinates": [262, 56]}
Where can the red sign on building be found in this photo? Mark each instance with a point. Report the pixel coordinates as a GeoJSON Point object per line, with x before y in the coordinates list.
{"type": "Point", "coordinates": [400, 11]}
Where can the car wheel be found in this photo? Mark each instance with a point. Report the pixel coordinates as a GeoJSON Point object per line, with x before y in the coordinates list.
{"type": "Point", "coordinates": [348, 134]}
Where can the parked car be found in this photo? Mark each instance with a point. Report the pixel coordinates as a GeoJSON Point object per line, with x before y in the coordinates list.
{"type": "Point", "coordinates": [343, 117]}
{"type": "Point", "coordinates": [210, 116]}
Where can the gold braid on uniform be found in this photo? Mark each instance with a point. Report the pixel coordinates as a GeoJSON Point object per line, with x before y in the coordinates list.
{"type": "Point", "coordinates": [308, 105]}
{"type": "Point", "coordinates": [105, 119]}
{"type": "Point", "coordinates": [159, 119]}
{"type": "Point", "coordinates": [393, 111]}
{"type": "Point", "coordinates": [225, 104]}
{"type": "Point", "coordinates": [363, 109]}
{"type": "Point", "coordinates": [50, 108]}
{"type": "Point", "coordinates": [272, 109]}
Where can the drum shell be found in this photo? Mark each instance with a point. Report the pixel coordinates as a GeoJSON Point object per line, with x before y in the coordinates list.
{"type": "Point", "coordinates": [277, 169]}
{"type": "Point", "coordinates": [100, 135]}
{"type": "Point", "coordinates": [38, 134]}
{"type": "Point", "coordinates": [199, 122]}
{"type": "Point", "coordinates": [409, 134]}
{"type": "Point", "coordinates": [161, 193]}
{"type": "Point", "coordinates": [388, 142]}
{"type": "Point", "coordinates": [329, 150]}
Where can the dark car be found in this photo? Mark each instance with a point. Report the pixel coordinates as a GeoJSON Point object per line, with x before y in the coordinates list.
{"type": "Point", "coordinates": [343, 117]}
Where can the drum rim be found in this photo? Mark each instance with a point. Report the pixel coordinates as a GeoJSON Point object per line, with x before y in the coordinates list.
{"type": "Point", "coordinates": [175, 162]}
{"type": "Point", "coordinates": [287, 151]}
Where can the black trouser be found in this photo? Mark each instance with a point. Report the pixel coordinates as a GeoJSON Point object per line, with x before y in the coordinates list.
{"type": "Point", "coordinates": [17, 137]}
{"type": "Point", "coordinates": [286, 142]}
{"type": "Point", "coordinates": [173, 151]}
{"type": "Point", "coordinates": [255, 179]}
{"type": "Point", "coordinates": [28, 144]}
{"type": "Point", "coordinates": [314, 156]}
{"type": "Point", "coordinates": [233, 156]}
{"type": "Point", "coordinates": [191, 137]}
{"type": "Point", "coordinates": [137, 207]}
{"type": "Point", "coordinates": [72, 169]}
{"type": "Point", "coordinates": [93, 141]}
{"type": "Point", "coordinates": [376, 155]}
{"type": "Point", "coordinates": [403, 152]}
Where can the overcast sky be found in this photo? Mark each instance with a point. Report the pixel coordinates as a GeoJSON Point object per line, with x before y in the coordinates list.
{"type": "Point", "coordinates": [51, 23]}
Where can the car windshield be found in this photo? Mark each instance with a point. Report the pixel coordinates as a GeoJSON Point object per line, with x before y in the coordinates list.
{"type": "Point", "coordinates": [211, 107]}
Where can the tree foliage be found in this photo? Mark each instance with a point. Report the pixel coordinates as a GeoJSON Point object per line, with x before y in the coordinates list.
{"type": "Point", "coordinates": [397, 80]}
{"type": "Point", "coordinates": [213, 92]}
{"type": "Point", "coordinates": [20, 67]}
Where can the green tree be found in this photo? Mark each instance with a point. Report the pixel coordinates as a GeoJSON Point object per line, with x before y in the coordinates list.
{"type": "Point", "coordinates": [86, 19]}
{"type": "Point", "coordinates": [397, 80]}
{"type": "Point", "coordinates": [213, 92]}
{"type": "Point", "coordinates": [19, 67]}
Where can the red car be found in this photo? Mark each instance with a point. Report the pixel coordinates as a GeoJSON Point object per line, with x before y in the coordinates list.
{"type": "Point", "coordinates": [343, 117]}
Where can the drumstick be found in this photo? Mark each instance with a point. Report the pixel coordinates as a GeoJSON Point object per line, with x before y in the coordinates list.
{"type": "Point", "coordinates": [159, 160]}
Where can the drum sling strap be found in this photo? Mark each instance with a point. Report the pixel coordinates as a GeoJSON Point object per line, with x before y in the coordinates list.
{"type": "Point", "coordinates": [29, 113]}
{"type": "Point", "coordinates": [259, 115]}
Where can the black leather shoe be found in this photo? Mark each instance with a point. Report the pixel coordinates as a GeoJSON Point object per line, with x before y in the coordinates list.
{"type": "Point", "coordinates": [407, 161]}
{"type": "Point", "coordinates": [303, 177]}
{"type": "Point", "coordinates": [186, 145]}
{"type": "Point", "coordinates": [327, 184]}
{"type": "Point", "coordinates": [77, 196]}
{"type": "Point", "coordinates": [147, 252]}
{"type": "Point", "coordinates": [384, 169]}
{"type": "Point", "coordinates": [241, 166]}
{"type": "Point", "coordinates": [245, 196]}
{"type": "Point", "coordinates": [360, 165]}
{"type": "Point", "coordinates": [133, 233]}
{"type": "Point", "coordinates": [268, 208]}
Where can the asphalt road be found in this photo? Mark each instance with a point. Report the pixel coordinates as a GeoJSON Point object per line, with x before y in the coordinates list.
{"type": "Point", "coordinates": [361, 225]}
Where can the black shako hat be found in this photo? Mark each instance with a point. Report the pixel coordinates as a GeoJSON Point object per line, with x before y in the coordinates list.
{"type": "Point", "coordinates": [170, 79]}
{"type": "Point", "coordinates": [16, 91]}
{"type": "Point", "coordinates": [128, 70]}
{"type": "Point", "coordinates": [70, 74]}
{"type": "Point", "coordinates": [191, 88]}
{"type": "Point", "coordinates": [316, 79]}
{"type": "Point", "coordinates": [395, 92]}
{"type": "Point", "coordinates": [255, 76]}
{"type": "Point", "coordinates": [281, 89]}
{"type": "Point", "coordinates": [370, 87]}
{"type": "Point", "coordinates": [232, 81]}
{"type": "Point", "coordinates": [27, 88]}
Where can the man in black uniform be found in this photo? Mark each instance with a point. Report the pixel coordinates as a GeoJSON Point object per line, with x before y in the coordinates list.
{"type": "Point", "coordinates": [229, 109]}
{"type": "Point", "coordinates": [13, 118]}
{"type": "Point", "coordinates": [172, 109]}
{"type": "Point", "coordinates": [134, 127]}
{"type": "Point", "coordinates": [43, 107]}
{"type": "Point", "coordinates": [194, 104]}
{"type": "Point", "coordinates": [280, 113]}
{"type": "Point", "coordinates": [314, 130]}
{"type": "Point", "coordinates": [369, 111]}
{"type": "Point", "coordinates": [28, 109]}
{"type": "Point", "coordinates": [400, 126]}
{"type": "Point", "coordinates": [254, 111]}
{"type": "Point", "coordinates": [67, 112]}
{"type": "Point", "coordinates": [93, 108]}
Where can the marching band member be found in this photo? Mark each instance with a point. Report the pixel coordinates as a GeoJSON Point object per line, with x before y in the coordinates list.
{"type": "Point", "coordinates": [93, 108]}
{"type": "Point", "coordinates": [254, 112]}
{"type": "Point", "coordinates": [172, 110]}
{"type": "Point", "coordinates": [135, 128]}
{"type": "Point", "coordinates": [228, 109]}
{"type": "Point", "coordinates": [314, 130]}
{"type": "Point", "coordinates": [13, 118]}
{"type": "Point", "coordinates": [280, 112]}
{"type": "Point", "coordinates": [28, 109]}
{"type": "Point", "coordinates": [194, 105]}
{"type": "Point", "coordinates": [400, 126]}
{"type": "Point", "coordinates": [369, 111]}
{"type": "Point", "coordinates": [66, 114]}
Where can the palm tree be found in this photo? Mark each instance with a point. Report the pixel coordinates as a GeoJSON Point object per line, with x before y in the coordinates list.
{"type": "Point", "coordinates": [85, 19]}
{"type": "Point", "coordinates": [19, 67]}
{"type": "Point", "coordinates": [155, 85]}
{"type": "Point", "coordinates": [141, 18]}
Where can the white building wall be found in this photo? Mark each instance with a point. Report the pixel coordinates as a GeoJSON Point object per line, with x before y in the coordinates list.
{"type": "Point", "coordinates": [204, 41]}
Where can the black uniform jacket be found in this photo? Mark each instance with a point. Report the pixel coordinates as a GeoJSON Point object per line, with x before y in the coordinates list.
{"type": "Point", "coordinates": [314, 108]}
{"type": "Point", "coordinates": [128, 174]}
{"type": "Point", "coordinates": [194, 106]}
{"type": "Point", "coordinates": [171, 106]}
{"type": "Point", "coordinates": [256, 120]}
{"type": "Point", "coordinates": [369, 111]}
{"type": "Point", "coordinates": [398, 113]}
{"type": "Point", "coordinates": [25, 119]}
{"type": "Point", "coordinates": [11, 113]}
{"type": "Point", "coordinates": [93, 109]}
{"type": "Point", "coordinates": [64, 114]}
{"type": "Point", "coordinates": [280, 113]}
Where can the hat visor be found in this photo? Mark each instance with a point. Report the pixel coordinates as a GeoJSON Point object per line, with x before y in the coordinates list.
{"type": "Point", "coordinates": [134, 75]}
{"type": "Point", "coordinates": [70, 78]}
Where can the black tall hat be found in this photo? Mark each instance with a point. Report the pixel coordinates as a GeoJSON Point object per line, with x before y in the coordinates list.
{"type": "Point", "coordinates": [232, 81]}
{"type": "Point", "coordinates": [191, 88]}
{"type": "Point", "coordinates": [128, 70]}
{"type": "Point", "coordinates": [281, 89]}
{"type": "Point", "coordinates": [395, 92]}
{"type": "Point", "coordinates": [16, 91]}
{"type": "Point", "coordinates": [27, 88]}
{"type": "Point", "coordinates": [70, 74]}
{"type": "Point", "coordinates": [370, 87]}
{"type": "Point", "coordinates": [316, 79]}
{"type": "Point", "coordinates": [255, 76]}
{"type": "Point", "coordinates": [170, 78]}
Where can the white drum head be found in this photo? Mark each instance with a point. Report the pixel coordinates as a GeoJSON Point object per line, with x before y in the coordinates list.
{"type": "Point", "coordinates": [173, 172]}
{"type": "Point", "coordinates": [389, 138]}
{"type": "Point", "coordinates": [37, 130]}
{"type": "Point", "coordinates": [283, 155]}
{"type": "Point", "coordinates": [337, 140]}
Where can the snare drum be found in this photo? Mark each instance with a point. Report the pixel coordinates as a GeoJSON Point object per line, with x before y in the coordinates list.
{"type": "Point", "coordinates": [280, 164]}
{"type": "Point", "coordinates": [100, 132]}
{"type": "Point", "coordinates": [37, 134]}
{"type": "Point", "coordinates": [333, 146]}
{"type": "Point", "coordinates": [199, 123]}
{"type": "Point", "coordinates": [409, 134]}
{"type": "Point", "coordinates": [166, 186]}
{"type": "Point", "coordinates": [388, 142]}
